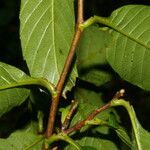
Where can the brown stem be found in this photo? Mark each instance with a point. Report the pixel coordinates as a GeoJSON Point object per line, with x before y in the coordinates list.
{"type": "Point", "coordinates": [82, 123]}
{"type": "Point", "coordinates": [63, 76]}
{"type": "Point", "coordinates": [74, 105]}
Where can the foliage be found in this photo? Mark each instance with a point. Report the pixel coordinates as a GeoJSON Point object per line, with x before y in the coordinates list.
{"type": "Point", "coordinates": [42, 33]}
{"type": "Point", "coordinates": [113, 53]}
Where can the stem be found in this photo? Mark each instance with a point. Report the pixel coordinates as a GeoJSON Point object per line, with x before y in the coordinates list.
{"type": "Point", "coordinates": [132, 116]}
{"type": "Point", "coordinates": [31, 81]}
{"type": "Point", "coordinates": [95, 19]}
{"type": "Point", "coordinates": [107, 22]}
{"type": "Point", "coordinates": [97, 121]}
{"type": "Point", "coordinates": [87, 23]}
{"type": "Point", "coordinates": [45, 83]}
{"type": "Point", "coordinates": [63, 76]}
{"type": "Point", "coordinates": [82, 123]}
{"type": "Point", "coordinates": [73, 108]}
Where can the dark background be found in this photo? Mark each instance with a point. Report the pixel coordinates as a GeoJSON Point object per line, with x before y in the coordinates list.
{"type": "Point", "coordinates": [10, 49]}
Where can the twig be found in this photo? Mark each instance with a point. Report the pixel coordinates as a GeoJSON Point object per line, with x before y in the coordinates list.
{"type": "Point", "coordinates": [60, 84]}
{"type": "Point", "coordinates": [73, 108]}
{"type": "Point", "coordinates": [82, 123]}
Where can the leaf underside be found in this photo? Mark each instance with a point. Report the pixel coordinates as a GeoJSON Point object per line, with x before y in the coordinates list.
{"type": "Point", "coordinates": [11, 97]}
{"type": "Point", "coordinates": [129, 53]}
{"type": "Point", "coordinates": [46, 31]}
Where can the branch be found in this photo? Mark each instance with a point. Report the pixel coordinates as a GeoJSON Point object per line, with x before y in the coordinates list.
{"type": "Point", "coordinates": [82, 123]}
{"type": "Point", "coordinates": [31, 81]}
{"type": "Point", "coordinates": [74, 105]}
{"type": "Point", "coordinates": [60, 84]}
{"type": "Point", "coordinates": [91, 116]}
{"type": "Point", "coordinates": [114, 102]}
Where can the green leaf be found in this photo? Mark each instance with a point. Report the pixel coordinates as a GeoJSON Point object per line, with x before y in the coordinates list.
{"type": "Point", "coordinates": [88, 148]}
{"type": "Point", "coordinates": [23, 139]}
{"type": "Point", "coordinates": [63, 137]}
{"type": "Point", "coordinates": [94, 143]}
{"type": "Point", "coordinates": [9, 77]}
{"type": "Point", "coordinates": [97, 137]}
{"type": "Point", "coordinates": [121, 132]}
{"type": "Point", "coordinates": [141, 137]}
{"type": "Point", "coordinates": [123, 135]}
{"type": "Point", "coordinates": [129, 52]}
{"type": "Point", "coordinates": [91, 57]}
{"type": "Point", "coordinates": [114, 124]}
{"type": "Point", "coordinates": [64, 112]}
{"type": "Point", "coordinates": [46, 32]}
{"type": "Point", "coordinates": [89, 101]}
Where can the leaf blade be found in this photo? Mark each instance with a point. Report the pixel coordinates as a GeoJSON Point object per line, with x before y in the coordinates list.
{"type": "Point", "coordinates": [46, 31]}
{"type": "Point", "coordinates": [28, 139]}
{"type": "Point", "coordinates": [11, 97]}
{"type": "Point", "coordinates": [129, 52]}
{"type": "Point", "coordinates": [140, 138]}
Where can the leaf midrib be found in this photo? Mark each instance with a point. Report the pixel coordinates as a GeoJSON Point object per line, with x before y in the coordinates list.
{"type": "Point", "coordinates": [53, 34]}
{"type": "Point", "coordinates": [108, 23]}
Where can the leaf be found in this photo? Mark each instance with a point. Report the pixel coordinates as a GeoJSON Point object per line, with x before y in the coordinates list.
{"type": "Point", "coordinates": [123, 135]}
{"type": "Point", "coordinates": [113, 124]}
{"type": "Point", "coordinates": [97, 137]}
{"type": "Point", "coordinates": [140, 139]}
{"type": "Point", "coordinates": [89, 101]}
{"type": "Point", "coordinates": [91, 57]}
{"type": "Point", "coordinates": [46, 32]}
{"type": "Point", "coordinates": [64, 112]}
{"type": "Point", "coordinates": [63, 137]}
{"type": "Point", "coordinates": [121, 132]}
{"type": "Point", "coordinates": [10, 98]}
{"type": "Point", "coordinates": [129, 52]}
{"type": "Point", "coordinates": [94, 143]}
{"type": "Point", "coordinates": [88, 148]}
{"type": "Point", "coordinates": [23, 139]}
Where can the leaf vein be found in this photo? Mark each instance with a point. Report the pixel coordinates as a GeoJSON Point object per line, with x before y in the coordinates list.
{"type": "Point", "coordinates": [26, 20]}
{"type": "Point", "coordinates": [38, 46]}
{"type": "Point", "coordinates": [35, 25]}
